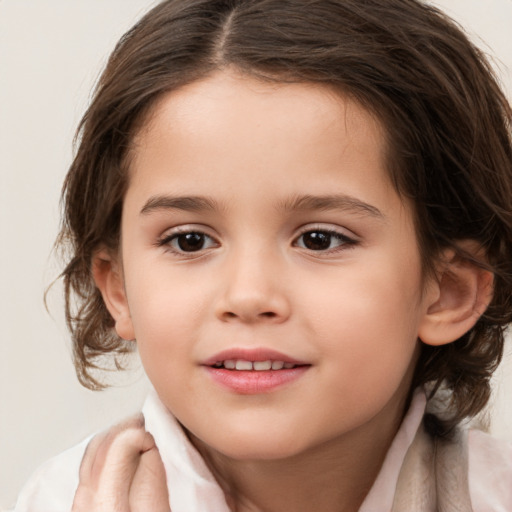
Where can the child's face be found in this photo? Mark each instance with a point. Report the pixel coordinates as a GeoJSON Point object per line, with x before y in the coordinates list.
{"type": "Point", "coordinates": [298, 249]}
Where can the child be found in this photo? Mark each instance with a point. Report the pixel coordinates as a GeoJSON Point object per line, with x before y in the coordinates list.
{"type": "Point", "coordinates": [300, 212]}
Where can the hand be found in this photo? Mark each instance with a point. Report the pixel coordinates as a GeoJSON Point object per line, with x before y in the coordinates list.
{"type": "Point", "coordinates": [122, 472]}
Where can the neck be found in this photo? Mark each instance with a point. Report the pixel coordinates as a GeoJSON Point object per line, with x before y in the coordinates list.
{"type": "Point", "coordinates": [333, 477]}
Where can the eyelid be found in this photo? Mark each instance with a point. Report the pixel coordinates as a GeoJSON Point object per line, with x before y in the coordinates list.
{"type": "Point", "coordinates": [186, 228]}
{"type": "Point", "coordinates": [328, 228]}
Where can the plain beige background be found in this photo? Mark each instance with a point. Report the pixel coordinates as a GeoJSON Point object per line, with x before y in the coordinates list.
{"type": "Point", "coordinates": [50, 55]}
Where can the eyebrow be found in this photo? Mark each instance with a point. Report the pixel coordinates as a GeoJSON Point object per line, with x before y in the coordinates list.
{"type": "Point", "coordinates": [332, 202]}
{"type": "Point", "coordinates": [186, 203]}
{"type": "Point", "coordinates": [201, 204]}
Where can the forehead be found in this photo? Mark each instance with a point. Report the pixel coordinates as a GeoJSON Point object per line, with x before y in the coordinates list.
{"type": "Point", "coordinates": [232, 129]}
{"type": "Point", "coordinates": [245, 95]}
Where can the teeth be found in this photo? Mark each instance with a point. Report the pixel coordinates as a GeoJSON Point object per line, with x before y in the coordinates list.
{"type": "Point", "coordinates": [262, 365]}
{"type": "Point", "coordinates": [243, 365]}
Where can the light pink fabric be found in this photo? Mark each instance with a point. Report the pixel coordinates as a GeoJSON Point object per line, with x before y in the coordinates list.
{"type": "Point", "coordinates": [192, 488]}
{"type": "Point", "coordinates": [380, 497]}
{"type": "Point", "coordinates": [490, 473]}
{"type": "Point", "coordinates": [191, 485]}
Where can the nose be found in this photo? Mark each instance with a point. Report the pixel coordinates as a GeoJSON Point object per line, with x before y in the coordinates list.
{"type": "Point", "coordinates": [253, 291]}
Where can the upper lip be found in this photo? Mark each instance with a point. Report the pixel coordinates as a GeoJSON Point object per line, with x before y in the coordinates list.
{"type": "Point", "coordinates": [252, 354]}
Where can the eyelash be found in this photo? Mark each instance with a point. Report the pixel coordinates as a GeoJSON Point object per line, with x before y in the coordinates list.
{"type": "Point", "coordinates": [167, 241]}
{"type": "Point", "coordinates": [345, 242]}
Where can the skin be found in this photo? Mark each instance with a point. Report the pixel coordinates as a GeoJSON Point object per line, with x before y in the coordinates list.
{"type": "Point", "coordinates": [352, 310]}
{"type": "Point", "coordinates": [122, 471]}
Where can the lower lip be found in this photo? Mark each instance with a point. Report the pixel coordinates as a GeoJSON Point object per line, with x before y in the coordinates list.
{"type": "Point", "coordinates": [252, 382]}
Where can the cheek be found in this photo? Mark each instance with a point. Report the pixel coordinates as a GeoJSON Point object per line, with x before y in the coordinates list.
{"type": "Point", "coordinates": [162, 302]}
{"type": "Point", "coordinates": [368, 322]}
{"type": "Point", "coordinates": [382, 297]}
{"type": "Point", "coordinates": [165, 319]}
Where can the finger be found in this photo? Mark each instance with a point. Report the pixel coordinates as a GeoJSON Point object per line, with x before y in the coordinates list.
{"type": "Point", "coordinates": [86, 491]}
{"type": "Point", "coordinates": [97, 450]}
{"type": "Point", "coordinates": [109, 466]}
{"type": "Point", "coordinates": [116, 467]}
{"type": "Point", "coordinates": [149, 487]}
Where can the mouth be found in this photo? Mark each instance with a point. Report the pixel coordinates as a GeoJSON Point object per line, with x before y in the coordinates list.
{"type": "Point", "coordinates": [258, 366]}
{"type": "Point", "coordinates": [254, 371]}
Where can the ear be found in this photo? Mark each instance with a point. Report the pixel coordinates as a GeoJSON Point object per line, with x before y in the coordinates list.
{"type": "Point", "coordinates": [456, 299]}
{"type": "Point", "coordinates": [108, 277]}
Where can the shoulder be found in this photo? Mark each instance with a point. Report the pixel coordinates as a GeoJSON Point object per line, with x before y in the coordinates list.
{"type": "Point", "coordinates": [53, 485]}
{"type": "Point", "coordinates": [490, 472]}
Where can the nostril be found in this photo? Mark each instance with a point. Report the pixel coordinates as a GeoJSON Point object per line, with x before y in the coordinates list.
{"type": "Point", "coordinates": [265, 314]}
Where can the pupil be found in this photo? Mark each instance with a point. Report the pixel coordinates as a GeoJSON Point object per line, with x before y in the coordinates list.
{"type": "Point", "coordinates": [191, 242]}
{"type": "Point", "coordinates": [317, 241]}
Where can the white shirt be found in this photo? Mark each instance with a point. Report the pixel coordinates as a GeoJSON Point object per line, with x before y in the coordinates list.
{"type": "Point", "coordinates": [192, 487]}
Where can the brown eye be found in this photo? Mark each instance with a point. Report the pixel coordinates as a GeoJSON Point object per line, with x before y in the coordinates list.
{"type": "Point", "coordinates": [321, 240]}
{"type": "Point", "coordinates": [189, 241]}
{"type": "Point", "coordinates": [317, 240]}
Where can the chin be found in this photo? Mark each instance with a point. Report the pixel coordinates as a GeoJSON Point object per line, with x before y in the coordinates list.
{"type": "Point", "coordinates": [247, 446]}
{"type": "Point", "coordinates": [261, 446]}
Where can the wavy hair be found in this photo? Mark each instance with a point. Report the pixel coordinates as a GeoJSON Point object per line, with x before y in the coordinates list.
{"type": "Point", "coordinates": [447, 121]}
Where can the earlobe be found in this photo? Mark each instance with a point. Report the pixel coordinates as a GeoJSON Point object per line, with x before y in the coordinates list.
{"type": "Point", "coordinates": [458, 298]}
{"type": "Point", "coordinates": [108, 278]}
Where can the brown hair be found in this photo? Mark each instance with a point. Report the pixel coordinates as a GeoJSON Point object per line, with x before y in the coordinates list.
{"type": "Point", "coordinates": [447, 121]}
